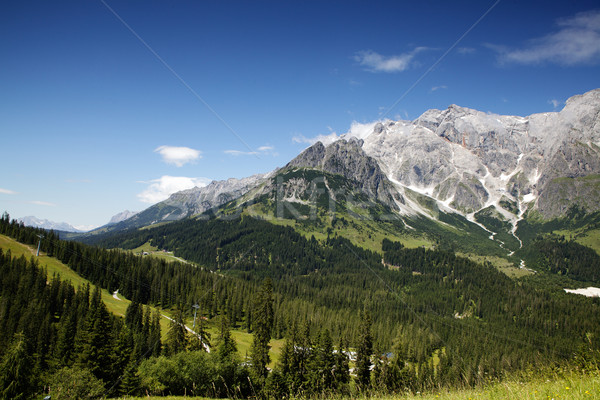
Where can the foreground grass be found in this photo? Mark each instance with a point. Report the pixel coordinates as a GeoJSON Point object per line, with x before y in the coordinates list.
{"type": "Point", "coordinates": [575, 387]}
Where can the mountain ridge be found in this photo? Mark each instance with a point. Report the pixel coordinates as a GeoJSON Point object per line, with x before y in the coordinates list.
{"type": "Point", "coordinates": [48, 225]}
{"type": "Point", "coordinates": [482, 166]}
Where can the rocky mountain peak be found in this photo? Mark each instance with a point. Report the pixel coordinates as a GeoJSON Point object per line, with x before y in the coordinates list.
{"type": "Point", "coordinates": [468, 160]}
{"type": "Point", "coordinates": [346, 157]}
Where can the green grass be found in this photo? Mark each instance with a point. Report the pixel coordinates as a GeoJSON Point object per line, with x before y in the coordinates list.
{"type": "Point", "coordinates": [243, 341]}
{"type": "Point", "coordinates": [570, 388]}
{"type": "Point", "coordinates": [502, 264]}
{"type": "Point", "coordinates": [118, 307]}
{"type": "Point", "coordinates": [155, 252]}
{"type": "Point", "coordinates": [589, 238]}
{"type": "Point", "coordinates": [54, 266]}
{"type": "Point", "coordinates": [364, 233]}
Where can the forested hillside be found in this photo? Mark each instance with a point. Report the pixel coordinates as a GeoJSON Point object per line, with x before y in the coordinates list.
{"type": "Point", "coordinates": [407, 319]}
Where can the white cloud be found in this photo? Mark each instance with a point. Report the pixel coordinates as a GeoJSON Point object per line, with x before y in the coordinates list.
{"type": "Point", "coordinates": [357, 130]}
{"type": "Point", "coordinates": [375, 62]}
{"type": "Point", "coordinates": [325, 139]}
{"type": "Point", "coordinates": [555, 103]}
{"type": "Point", "coordinates": [433, 89]}
{"type": "Point", "coordinates": [265, 148]}
{"type": "Point", "coordinates": [160, 189]}
{"type": "Point", "coordinates": [576, 42]}
{"type": "Point", "coordinates": [262, 150]}
{"type": "Point", "coordinates": [7, 191]}
{"type": "Point", "coordinates": [240, 153]}
{"type": "Point", "coordinates": [42, 203]}
{"type": "Point", "coordinates": [178, 155]}
{"type": "Point", "coordinates": [361, 131]}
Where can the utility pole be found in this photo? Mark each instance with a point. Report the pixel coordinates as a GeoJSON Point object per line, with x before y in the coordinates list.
{"type": "Point", "coordinates": [37, 254]}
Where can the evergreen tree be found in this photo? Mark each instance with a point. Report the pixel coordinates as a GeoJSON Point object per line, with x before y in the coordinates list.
{"type": "Point", "coordinates": [322, 363]}
{"type": "Point", "coordinates": [16, 370]}
{"type": "Point", "coordinates": [154, 336]}
{"type": "Point", "coordinates": [364, 350]}
{"type": "Point", "coordinates": [341, 372]}
{"type": "Point", "coordinates": [96, 343]}
{"type": "Point", "coordinates": [262, 326]}
{"type": "Point", "coordinates": [176, 341]}
{"type": "Point", "coordinates": [64, 353]}
{"type": "Point", "coordinates": [130, 382]}
{"type": "Point", "coordinates": [200, 340]}
{"type": "Point", "coordinates": [227, 348]}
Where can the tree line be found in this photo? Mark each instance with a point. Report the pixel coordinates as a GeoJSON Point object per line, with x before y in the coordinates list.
{"type": "Point", "coordinates": [414, 318]}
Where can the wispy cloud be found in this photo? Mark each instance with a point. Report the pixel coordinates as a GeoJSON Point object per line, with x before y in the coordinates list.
{"type": "Point", "coordinates": [357, 130]}
{"type": "Point", "coordinates": [465, 50]}
{"type": "Point", "coordinates": [42, 203]}
{"type": "Point", "coordinates": [178, 155]}
{"type": "Point", "coordinates": [7, 191]}
{"type": "Point", "coordinates": [262, 150]}
{"type": "Point", "coordinates": [325, 139]}
{"type": "Point", "coordinates": [575, 42]}
{"type": "Point", "coordinates": [555, 103]}
{"type": "Point", "coordinates": [435, 88]}
{"type": "Point", "coordinates": [160, 189]}
{"type": "Point", "coordinates": [265, 148]}
{"type": "Point", "coordinates": [375, 62]}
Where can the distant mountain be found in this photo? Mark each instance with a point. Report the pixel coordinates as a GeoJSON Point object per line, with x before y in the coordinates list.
{"type": "Point", "coordinates": [122, 216]}
{"type": "Point", "coordinates": [49, 225]}
{"type": "Point", "coordinates": [183, 204]}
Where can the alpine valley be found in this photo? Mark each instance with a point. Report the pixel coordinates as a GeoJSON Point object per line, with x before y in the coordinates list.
{"type": "Point", "coordinates": [405, 256]}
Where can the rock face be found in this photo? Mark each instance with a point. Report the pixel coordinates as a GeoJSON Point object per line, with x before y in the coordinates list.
{"type": "Point", "coordinates": [192, 201]}
{"type": "Point", "coordinates": [122, 216]}
{"type": "Point", "coordinates": [347, 158]}
{"type": "Point", "coordinates": [197, 200]}
{"type": "Point", "coordinates": [469, 160]}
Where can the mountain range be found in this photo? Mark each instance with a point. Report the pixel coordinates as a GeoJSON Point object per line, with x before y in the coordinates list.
{"type": "Point", "coordinates": [49, 225]}
{"type": "Point", "coordinates": [488, 169]}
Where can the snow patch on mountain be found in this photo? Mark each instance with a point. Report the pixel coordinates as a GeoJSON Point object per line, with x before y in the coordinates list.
{"type": "Point", "coordinates": [46, 224]}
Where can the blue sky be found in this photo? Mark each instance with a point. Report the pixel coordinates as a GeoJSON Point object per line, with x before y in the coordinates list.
{"type": "Point", "coordinates": [111, 105]}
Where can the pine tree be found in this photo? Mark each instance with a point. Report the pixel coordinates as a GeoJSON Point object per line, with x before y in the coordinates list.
{"type": "Point", "coordinates": [321, 364]}
{"type": "Point", "coordinates": [64, 350]}
{"type": "Point", "coordinates": [177, 335]}
{"type": "Point", "coordinates": [96, 343]}
{"type": "Point", "coordinates": [364, 351]}
{"type": "Point", "coordinates": [342, 366]}
{"type": "Point", "coordinates": [130, 382]}
{"type": "Point", "coordinates": [262, 326]}
{"type": "Point", "coordinates": [16, 370]}
{"type": "Point", "coordinates": [227, 348]}
{"type": "Point", "coordinates": [154, 336]}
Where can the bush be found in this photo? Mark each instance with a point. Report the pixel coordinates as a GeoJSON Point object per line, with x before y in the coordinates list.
{"type": "Point", "coordinates": [75, 383]}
